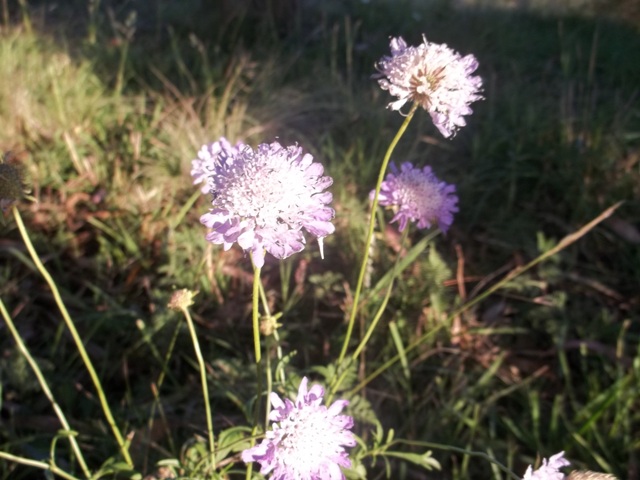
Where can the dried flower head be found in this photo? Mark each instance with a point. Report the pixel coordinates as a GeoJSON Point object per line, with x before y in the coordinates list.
{"type": "Point", "coordinates": [181, 299]}
{"type": "Point", "coordinates": [307, 439]}
{"type": "Point", "coordinates": [549, 470]}
{"type": "Point", "coordinates": [417, 195]}
{"type": "Point", "coordinates": [263, 199]}
{"type": "Point", "coordinates": [435, 77]}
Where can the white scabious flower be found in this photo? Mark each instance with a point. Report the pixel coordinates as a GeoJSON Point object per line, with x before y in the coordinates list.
{"type": "Point", "coordinates": [435, 77]}
{"type": "Point", "coordinates": [263, 198]}
{"type": "Point", "coordinates": [307, 439]}
{"type": "Point", "coordinates": [549, 470]}
{"type": "Point", "coordinates": [416, 195]}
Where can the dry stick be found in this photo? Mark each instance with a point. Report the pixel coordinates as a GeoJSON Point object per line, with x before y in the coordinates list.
{"type": "Point", "coordinates": [76, 337]}
{"type": "Point", "coordinates": [564, 243]}
{"type": "Point", "coordinates": [45, 388]}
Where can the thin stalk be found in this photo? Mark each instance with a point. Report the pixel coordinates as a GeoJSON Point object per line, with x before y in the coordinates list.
{"type": "Point", "coordinates": [255, 308]}
{"type": "Point", "coordinates": [374, 322]}
{"type": "Point", "coordinates": [384, 303]}
{"type": "Point", "coordinates": [45, 388]}
{"type": "Point", "coordinates": [267, 311]}
{"type": "Point", "coordinates": [203, 381]}
{"type": "Point", "coordinates": [26, 19]}
{"type": "Point", "coordinates": [124, 449]}
{"type": "Point", "coordinates": [372, 224]}
{"type": "Point", "coordinates": [41, 465]}
{"type": "Point", "coordinates": [255, 315]}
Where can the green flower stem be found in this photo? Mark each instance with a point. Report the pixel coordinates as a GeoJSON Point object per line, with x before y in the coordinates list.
{"type": "Point", "coordinates": [384, 303]}
{"type": "Point", "coordinates": [276, 338]}
{"type": "Point", "coordinates": [562, 244]}
{"type": "Point", "coordinates": [203, 381]}
{"type": "Point", "coordinates": [256, 314]}
{"type": "Point", "coordinates": [45, 388]}
{"type": "Point", "coordinates": [280, 373]}
{"type": "Point", "coordinates": [41, 465]}
{"type": "Point", "coordinates": [372, 224]}
{"type": "Point", "coordinates": [124, 448]}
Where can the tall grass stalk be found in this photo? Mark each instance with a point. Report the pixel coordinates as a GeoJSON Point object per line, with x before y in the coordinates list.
{"type": "Point", "coordinates": [45, 388]}
{"type": "Point", "coordinates": [564, 243]}
{"type": "Point", "coordinates": [37, 464]}
{"type": "Point", "coordinates": [366, 249]}
{"type": "Point", "coordinates": [26, 19]}
{"type": "Point", "coordinates": [122, 444]}
{"type": "Point", "coordinates": [203, 381]}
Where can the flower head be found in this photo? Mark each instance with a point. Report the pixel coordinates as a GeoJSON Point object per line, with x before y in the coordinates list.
{"type": "Point", "coordinates": [549, 470]}
{"type": "Point", "coordinates": [307, 439]}
{"type": "Point", "coordinates": [418, 196]}
{"type": "Point", "coordinates": [263, 198]}
{"type": "Point", "coordinates": [181, 299]}
{"type": "Point", "coordinates": [208, 157]}
{"type": "Point", "coordinates": [434, 76]}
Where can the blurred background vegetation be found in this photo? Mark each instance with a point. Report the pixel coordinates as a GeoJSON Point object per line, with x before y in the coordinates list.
{"type": "Point", "coordinates": [103, 104]}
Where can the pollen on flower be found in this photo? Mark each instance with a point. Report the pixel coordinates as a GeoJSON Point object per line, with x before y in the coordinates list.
{"type": "Point", "coordinates": [549, 470]}
{"type": "Point", "coordinates": [264, 198]}
{"type": "Point", "coordinates": [416, 195]}
{"type": "Point", "coordinates": [433, 76]}
{"type": "Point", "coordinates": [307, 439]}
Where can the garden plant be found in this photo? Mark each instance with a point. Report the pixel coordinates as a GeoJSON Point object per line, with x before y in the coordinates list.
{"type": "Point", "coordinates": [319, 240]}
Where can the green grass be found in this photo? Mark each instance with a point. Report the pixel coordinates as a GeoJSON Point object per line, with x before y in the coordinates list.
{"type": "Point", "coordinates": [106, 132]}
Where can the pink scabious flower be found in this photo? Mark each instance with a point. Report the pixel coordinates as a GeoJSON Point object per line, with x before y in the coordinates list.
{"type": "Point", "coordinates": [203, 167]}
{"type": "Point", "coordinates": [549, 470]}
{"type": "Point", "coordinates": [263, 198]}
{"type": "Point", "coordinates": [417, 195]}
{"type": "Point", "coordinates": [307, 439]}
{"type": "Point", "coordinates": [435, 77]}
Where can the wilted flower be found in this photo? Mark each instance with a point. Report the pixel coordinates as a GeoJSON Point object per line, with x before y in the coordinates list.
{"type": "Point", "coordinates": [208, 157]}
{"type": "Point", "coordinates": [417, 195]}
{"type": "Point", "coordinates": [307, 439]}
{"type": "Point", "coordinates": [549, 470]}
{"type": "Point", "coordinates": [263, 198]}
{"type": "Point", "coordinates": [435, 77]}
{"type": "Point", "coordinates": [181, 299]}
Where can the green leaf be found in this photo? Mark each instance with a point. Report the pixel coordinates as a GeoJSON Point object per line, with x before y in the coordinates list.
{"type": "Point", "coordinates": [231, 440]}
{"type": "Point", "coordinates": [425, 460]}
